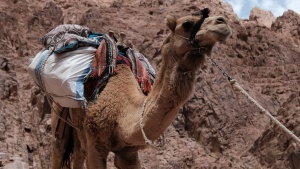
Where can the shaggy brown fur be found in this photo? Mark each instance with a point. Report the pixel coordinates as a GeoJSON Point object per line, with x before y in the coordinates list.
{"type": "Point", "coordinates": [113, 123]}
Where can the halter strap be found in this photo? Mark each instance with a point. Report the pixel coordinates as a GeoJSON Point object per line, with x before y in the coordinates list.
{"type": "Point", "coordinates": [198, 24]}
{"type": "Point", "coordinates": [183, 37]}
{"type": "Point", "coordinates": [202, 50]}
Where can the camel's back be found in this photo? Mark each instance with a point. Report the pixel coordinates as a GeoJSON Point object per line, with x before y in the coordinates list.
{"type": "Point", "coordinates": [121, 86]}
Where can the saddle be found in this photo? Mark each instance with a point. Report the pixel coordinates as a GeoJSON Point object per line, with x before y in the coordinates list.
{"type": "Point", "coordinates": [103, 66]}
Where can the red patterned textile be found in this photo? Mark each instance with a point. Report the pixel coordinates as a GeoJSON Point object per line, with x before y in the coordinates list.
{"type": "Point", "coordinates": [95, 82]}
{"type": "Point", "coordinates": [142, 76]}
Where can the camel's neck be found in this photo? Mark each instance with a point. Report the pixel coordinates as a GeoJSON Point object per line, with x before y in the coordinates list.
{"type": "Point", "coordinates": [172, 88]}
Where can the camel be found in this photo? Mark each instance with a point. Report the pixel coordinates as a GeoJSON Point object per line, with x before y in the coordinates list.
{"type": "Point", "coordinates": [124, 119]}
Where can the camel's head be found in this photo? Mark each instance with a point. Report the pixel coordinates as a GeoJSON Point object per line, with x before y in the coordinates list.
{"type": "Point", "coordinates": [189, 42]}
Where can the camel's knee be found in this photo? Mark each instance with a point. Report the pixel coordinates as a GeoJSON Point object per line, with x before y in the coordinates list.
{"type": "Point", "coordinates": [99, 163]}
{"type": "Point", "coordinates": [127, 160]}
{"type": "Point", "coordinates": [57, 154]}
{"type": "Point", "coordinates": [79, 154]}
{"type": "Point", "coordinates": [96, 154]}
{"type": "Point", "coordinates": [78, 159]}
{"type": "Point", "coordinates": [59, 146]}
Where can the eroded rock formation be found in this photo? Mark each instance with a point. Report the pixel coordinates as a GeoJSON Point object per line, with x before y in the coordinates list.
{"type": "Point", "coordinates": [218, 127]}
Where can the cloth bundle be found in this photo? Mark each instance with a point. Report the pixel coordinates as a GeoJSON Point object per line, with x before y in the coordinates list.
{"type": "Point", "coordinates": [77, 63]}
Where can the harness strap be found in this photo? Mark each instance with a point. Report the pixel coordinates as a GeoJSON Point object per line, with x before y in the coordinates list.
{"type": "Point", "coordinates": [197, 26]}
{"type": "Point", "coordinates": [201, 49]}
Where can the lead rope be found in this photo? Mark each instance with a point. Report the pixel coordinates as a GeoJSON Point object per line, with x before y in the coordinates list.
{"type": "Point", "coordinates": [237, 85]}
{"type": "Point", "coordinates": [43, 87]}
{"type": "Point", "coordinates": [148, 141]}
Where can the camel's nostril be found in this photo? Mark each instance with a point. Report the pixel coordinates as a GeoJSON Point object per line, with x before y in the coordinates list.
{"type": "Point", "coordinates": [220, 20]}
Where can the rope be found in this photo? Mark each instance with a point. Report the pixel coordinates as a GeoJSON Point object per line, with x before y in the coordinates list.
{"type": "Point", "coordinates": [223, 72]}
{"type": "Point", "coordinates": [56, 113]}
{"type": "Point", "coordinates": [43, 87]}
{"type": "Point", "coordinates": [147, 141]}
{"type": "Point", "coordinates": [236, 84]}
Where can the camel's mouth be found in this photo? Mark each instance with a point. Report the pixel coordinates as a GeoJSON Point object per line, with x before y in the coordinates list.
{"type": "Point", "coordinates": [223, 32]}
{"type": "Point", "coordinates": [216, 28]}
{"type": "Point", "coordinates": [221, 28]}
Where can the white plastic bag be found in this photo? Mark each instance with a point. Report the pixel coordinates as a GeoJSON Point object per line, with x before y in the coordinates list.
{"type": "Point", "coordinates": [62, 75]}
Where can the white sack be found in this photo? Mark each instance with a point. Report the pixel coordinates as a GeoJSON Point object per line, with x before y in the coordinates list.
{"type": "Point", "coordinates": [63, 74]}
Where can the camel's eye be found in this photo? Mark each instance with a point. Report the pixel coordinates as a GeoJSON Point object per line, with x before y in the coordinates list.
{"type": "Point", "coordinates": [187, 25]}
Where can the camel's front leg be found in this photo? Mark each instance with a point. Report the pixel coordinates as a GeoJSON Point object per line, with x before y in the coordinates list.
{"type": "Point", "coordinates": [78, 156]}
{"type": "Point", "coordinates": [79, 152]}
{"type": "Point", "coordinates": [127, 160]}
{"type": "Point", "coordinates": [60, 143]}
{"type": "Point", "coordinates": [96, 154]}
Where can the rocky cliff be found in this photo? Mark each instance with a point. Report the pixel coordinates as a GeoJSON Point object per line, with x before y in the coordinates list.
{"type": "Point", "coordinates": [217, 128]}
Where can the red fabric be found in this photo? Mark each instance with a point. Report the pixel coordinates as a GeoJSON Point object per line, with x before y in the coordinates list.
{"type": "Point", "coordinates": [124, 60]}
{"type": "Point", "coordinates": [99, 64]}
{"type": "Point", "coordinates": [99, 61]}
{"type": "Point", "coordinates": [143, 76]}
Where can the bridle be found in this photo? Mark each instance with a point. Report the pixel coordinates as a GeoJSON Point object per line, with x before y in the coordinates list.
{"type": "Point", "coordinates": [194, 31]}
{"type": "Point", "coordinates": [196, 46]}
{"type": "Point", "coordinates": [197, 26]}
{"type": "Point", "coordinates": [202, 51]}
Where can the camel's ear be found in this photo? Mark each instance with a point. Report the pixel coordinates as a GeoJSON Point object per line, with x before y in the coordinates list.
{"type": "Point", "coordinates": [171, 22]}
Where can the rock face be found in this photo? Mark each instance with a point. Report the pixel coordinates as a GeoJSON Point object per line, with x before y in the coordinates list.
{"type": "Point", "coordinates": [261, 17]}
{"type": "Point", "coordinates": [288, 26]}
{"type": "Point", "coordinates": [217, 128]}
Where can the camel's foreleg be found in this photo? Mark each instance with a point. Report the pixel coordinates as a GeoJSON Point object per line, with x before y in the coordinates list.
{"type": "Point", "coordinates": [96, 154]}
{"type": "Point", "coordinates": [127, 160]}
{"type": "Point", "coordinates": [60, 144]}
{"type": "Point", "coordinates": [78, 157]}
{"type": "Point", "coordinates": [79, 152]}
